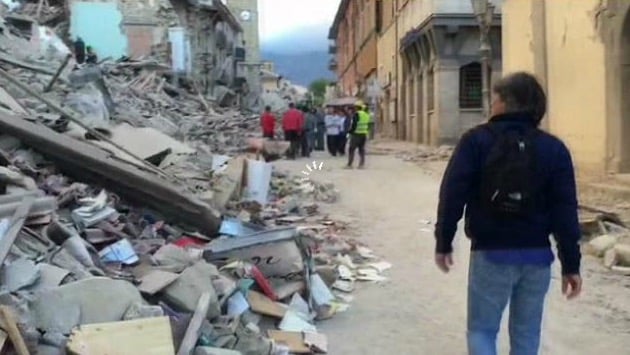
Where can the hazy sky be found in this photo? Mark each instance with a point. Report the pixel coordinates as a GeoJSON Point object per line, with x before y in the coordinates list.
{"type": "Point", "coordinates": [281, 16]}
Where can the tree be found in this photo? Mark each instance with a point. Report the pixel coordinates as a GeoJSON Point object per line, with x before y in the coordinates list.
{"type": "Point", "coordinates": [318, 91]}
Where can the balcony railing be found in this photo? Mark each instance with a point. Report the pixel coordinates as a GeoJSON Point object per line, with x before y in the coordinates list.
{"type": "Point", "coordinates": [332, 49]}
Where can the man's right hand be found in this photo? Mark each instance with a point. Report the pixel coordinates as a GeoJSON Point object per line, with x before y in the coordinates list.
{"type": "Point", "coordinates": [444, 262]}
{"type": "Point", "coordinates": [571, 286]}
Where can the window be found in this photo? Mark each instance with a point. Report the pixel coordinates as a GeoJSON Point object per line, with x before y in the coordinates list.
{"type": "Point", "coordinates": [470, 86]}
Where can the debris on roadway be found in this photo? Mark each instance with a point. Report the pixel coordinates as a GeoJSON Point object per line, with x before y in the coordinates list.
{"type": "Point", "coordinates": [606, 237]}
{"type": "Point", "coordinates": [134, 219]}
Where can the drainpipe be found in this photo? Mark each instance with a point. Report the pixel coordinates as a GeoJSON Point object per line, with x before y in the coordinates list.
{"type": "Point", "coordinates": [484, 11]}
{"type": "Point", "coordinates": [397, 57]}
{"type": "Point", "coordinates": [541, 63]}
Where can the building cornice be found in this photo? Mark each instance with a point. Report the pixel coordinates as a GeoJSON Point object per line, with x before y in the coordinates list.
{"type": "Point", "coordinates": [341, 13]}
{"type": "Point", "coordinates": [445, 19]}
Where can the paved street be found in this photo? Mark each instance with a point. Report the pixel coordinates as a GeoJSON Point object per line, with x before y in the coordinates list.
{"type": "Point", "coordinates": [420, 310]}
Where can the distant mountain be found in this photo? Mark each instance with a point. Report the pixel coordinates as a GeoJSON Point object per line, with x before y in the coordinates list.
{"type": "Point", "coordinates": [301, 55]}
{"type": "Point", "coordinates": [301, 68]}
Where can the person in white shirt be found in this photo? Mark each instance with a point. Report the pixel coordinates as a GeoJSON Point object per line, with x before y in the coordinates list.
{"type": "Point", "coordinates": [333, 127]}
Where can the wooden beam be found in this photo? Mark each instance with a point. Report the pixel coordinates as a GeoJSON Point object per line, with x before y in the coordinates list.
{"type": "Point", "coordinates": [192, 332]}
{"type": "Point", "coordinates": [56, 76]}
{"type": "Point", "coordinates": [139, 336]}
{"type": "Point", "coordinates": [10, 326]}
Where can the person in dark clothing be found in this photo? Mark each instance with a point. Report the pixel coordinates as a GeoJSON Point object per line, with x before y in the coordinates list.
{"type": "Point", "coordinates": [308, 133]}
{"type": "Point", "coordinates": [91, 57]}
{"type": "Point", "coordinates": [320, 134]}
{"type": "Point", "coordinates": [345, 115]}
{"type": "Point", "coordinates": [79, 50]}
{"type": "Point", "coordinates": [359, 130]}
{"type": "Point", "coordinates": [511, 254]}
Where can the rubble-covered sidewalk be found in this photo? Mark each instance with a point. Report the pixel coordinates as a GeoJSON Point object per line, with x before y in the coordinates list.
{"type": "Point", "coordinates": [134, 221]}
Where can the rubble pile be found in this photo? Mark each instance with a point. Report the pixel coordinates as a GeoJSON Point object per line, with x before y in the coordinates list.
{"type": "Point", "coordinates": [145, 98]}
{"type": "Point", "coordinates": [427, 154]}
{"type": "Point", "coordinates": [134, 222]}
{"type": "Point", "coordinates": [607, 237]}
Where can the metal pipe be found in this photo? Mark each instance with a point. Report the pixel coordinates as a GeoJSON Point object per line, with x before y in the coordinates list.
{"type": "Point", "coordinates": [484, 12]}
{"type": "Point", "coordinates": [485, 81]}
{"type": "Point", "coordinates": [397, 57]}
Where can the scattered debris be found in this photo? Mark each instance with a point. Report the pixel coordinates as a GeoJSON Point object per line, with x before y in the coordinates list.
{"type": "Point", "coordinates": [134, 217]}
{"type": "Point", "coordinates": [607, 237]}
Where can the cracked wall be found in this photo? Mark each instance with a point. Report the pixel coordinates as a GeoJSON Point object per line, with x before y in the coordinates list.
{"type": "Point", "coordinates": [571, 45]}
{"type": "Point", "coordinates": [99, 24]}
{"type": "Point", "coordinates": [123, 27]}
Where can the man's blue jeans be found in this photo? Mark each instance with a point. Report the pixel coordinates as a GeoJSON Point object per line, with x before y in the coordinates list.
{"type": "Point", "coordinates": [490, 287]}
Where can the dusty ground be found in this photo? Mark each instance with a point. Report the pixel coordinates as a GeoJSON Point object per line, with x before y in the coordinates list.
{"type": "Point", "coordinates": [422, 311]}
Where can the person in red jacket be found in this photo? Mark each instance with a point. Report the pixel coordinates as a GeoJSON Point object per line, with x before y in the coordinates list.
{"type": "Point", "coordinates": [268, 123]}
{"type": "Point", "coordinates": [292, 123]}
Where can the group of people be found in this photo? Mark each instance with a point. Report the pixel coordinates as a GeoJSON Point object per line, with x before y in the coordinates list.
{"type": "Point", "coordinates": [352, 122]}
{"type": "Point", "coordinates": [337, 122]}
{"type": "Point", "coordinates": [299, 129]}
{"type": "Point", "coordinates": [306, 130]}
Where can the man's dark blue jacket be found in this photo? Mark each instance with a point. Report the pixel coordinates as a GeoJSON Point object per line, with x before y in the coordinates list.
{"type": "Point", "coordinates": [556, 214]}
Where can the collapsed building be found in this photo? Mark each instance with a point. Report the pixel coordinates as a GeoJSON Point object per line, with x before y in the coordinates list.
{"type": "Point", "coordinates": [197, 39]}
{"type": "Point", "coordinates": [134, 220]}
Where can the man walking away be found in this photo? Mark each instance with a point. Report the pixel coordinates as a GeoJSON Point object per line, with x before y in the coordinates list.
{"type": "Point", "coordinates": [358, 134]}
{"type": "Point", "coordinates": [292, 125]}
{"type": "Point", "coordinates": [268, 123]}
{"type": "Point", "coordinates": [321, 130]}
{"type": "Point", "coordinates": [333, 123]}
{"type": "Point", "coordinates": [517, 185]}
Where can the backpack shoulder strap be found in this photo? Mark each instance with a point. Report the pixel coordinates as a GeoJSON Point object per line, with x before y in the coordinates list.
{"type": "Point", "coordinates": [493, 129]}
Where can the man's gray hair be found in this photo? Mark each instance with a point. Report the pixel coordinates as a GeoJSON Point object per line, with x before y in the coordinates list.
{"type": "Point", "coordinates": [521, 92]}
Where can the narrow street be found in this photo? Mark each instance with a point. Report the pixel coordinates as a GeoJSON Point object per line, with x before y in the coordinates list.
{"type": "Point", "coordinates": [422, 311]}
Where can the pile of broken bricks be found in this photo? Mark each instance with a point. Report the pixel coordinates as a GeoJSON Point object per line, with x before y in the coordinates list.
{"type": "Point", "coordinates": [423, 154]}
{"type": "Point", "coordinates": [121, 236]}
{"type": "Point", "coordinates": [82, 267]}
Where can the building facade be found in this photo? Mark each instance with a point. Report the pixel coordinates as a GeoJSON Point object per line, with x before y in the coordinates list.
{"type": "Point", "coordinates": [428, 65]}
{"type": "Point", "coordinates": [430, 69]}
{"type": "Point", "coordinates": [353, 45]}
{"type": "Point", "coordinates": [207, 40]}
{"type": "Point", "coordinates": [388, 62]}
{"type": "Point", "coordinates": [246, 12]}
{"type": "Point", "coordinates": [580, 50]}
{"type": "Point", "coordinates": [116, 28]}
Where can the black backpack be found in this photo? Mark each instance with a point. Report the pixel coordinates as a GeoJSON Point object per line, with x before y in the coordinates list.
{"type": "Point", "coordinates": [508, 180]}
